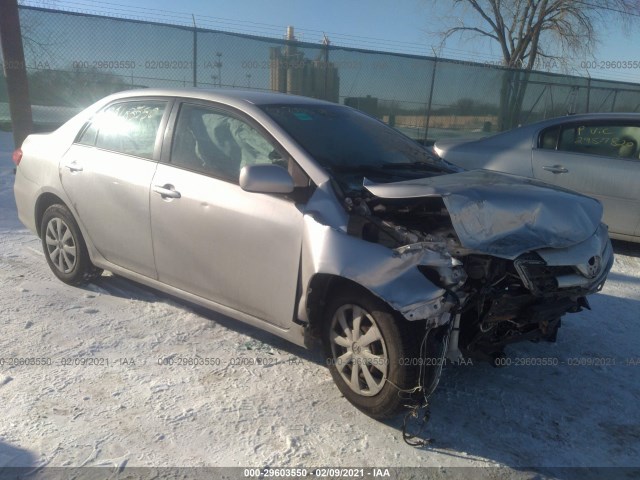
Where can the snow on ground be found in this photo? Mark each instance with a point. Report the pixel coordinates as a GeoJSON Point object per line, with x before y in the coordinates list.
{"type": "Point", "coordinates": [286, 410]}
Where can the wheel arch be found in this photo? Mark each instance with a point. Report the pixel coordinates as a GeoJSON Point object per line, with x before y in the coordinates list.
{"type": "Point", "coordinates": [45, 200]}
{"type": "Point", "coordinates": [320, 289]}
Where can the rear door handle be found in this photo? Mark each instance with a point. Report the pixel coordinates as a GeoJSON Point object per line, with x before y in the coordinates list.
{"type": "Point", "coordinates": [74, 167]}
{"type": "Point", "coordinates": [166, 191]}
{"type": "Point", "coordinates": [555, 169]}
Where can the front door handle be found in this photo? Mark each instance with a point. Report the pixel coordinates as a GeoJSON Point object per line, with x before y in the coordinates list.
{"type": "Point", "coordinates": [166, 191]}
{"type": "Point", "coordinates": [555, 169]}
{"type": "Point", "coordinates": [73, 167]}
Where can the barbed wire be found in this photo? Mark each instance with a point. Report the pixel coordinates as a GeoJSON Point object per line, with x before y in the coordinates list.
{"type": "Point", "coordinates": [313, 35]}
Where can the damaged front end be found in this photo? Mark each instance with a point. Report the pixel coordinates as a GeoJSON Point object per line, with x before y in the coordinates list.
{"type": "Point", "coordinates": [416, 277]}
{"type": "Point", "coordinates": [474, 261]}
{"type": "Point", "coordinates": [522, 254]}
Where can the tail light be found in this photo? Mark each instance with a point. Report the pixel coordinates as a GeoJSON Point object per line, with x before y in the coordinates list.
{"type": "Point", "coordinates": [17, 156]}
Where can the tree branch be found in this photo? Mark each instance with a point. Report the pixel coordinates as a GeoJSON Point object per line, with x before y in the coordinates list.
{"type": "Point", "coordinates": [454, 30]}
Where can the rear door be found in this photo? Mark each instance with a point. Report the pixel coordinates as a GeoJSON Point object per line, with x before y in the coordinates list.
{"type": "Point", "coordinates": [106, 174]}
{"type": "Point", "coordinates": [210, 237]}
{"type": "Point", "coordinates": [598, 159]}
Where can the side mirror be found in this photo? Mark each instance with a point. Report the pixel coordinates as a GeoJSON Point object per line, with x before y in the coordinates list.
{"type": "Point", "coordinates": [265, 178]}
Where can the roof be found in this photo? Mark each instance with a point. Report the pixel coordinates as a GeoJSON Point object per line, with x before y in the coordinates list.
{"type": "Point", "coordinates": [585, 117]}
{"type": "Point", "coordinates": [231, 96]}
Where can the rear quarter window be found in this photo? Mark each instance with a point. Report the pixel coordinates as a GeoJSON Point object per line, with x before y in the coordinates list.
{"type": "Point", "coordinates": [548, 139]}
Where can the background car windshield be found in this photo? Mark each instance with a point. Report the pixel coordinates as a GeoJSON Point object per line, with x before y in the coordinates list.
{"type": "Point", "coordinates": [341, 138]}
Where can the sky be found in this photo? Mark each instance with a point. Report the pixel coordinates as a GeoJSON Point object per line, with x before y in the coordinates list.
{"type": "Point", "coordinates": [407, 26]}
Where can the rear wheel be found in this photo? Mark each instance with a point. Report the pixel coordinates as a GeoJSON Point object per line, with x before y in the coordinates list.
{"type": "Point", "coordinates": [369, 352]}
{"type": "Point", "coordinates": [64, 247]}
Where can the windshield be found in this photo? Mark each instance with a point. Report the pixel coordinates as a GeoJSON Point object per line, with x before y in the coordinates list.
{"type": "Point", "coordinates": [351, 145]}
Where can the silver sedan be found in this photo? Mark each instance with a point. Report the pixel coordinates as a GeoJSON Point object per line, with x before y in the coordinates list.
{"type": "Point", "coordinates": [312, 220]}
{"type": "Point", "coordinates": [596, 154]}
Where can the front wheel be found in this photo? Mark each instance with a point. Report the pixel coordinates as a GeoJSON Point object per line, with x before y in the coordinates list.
{"type": "Point", "coordinates": [370, 353]}
{"type": "Point", "coordinates": [64, 247]}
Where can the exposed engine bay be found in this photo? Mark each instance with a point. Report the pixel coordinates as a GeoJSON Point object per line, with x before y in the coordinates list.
{"type": "Point", "coordinates": [496, 301]}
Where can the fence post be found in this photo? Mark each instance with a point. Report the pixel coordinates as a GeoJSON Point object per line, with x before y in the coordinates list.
{"type": "Point", "coordinates": [195, 51]}
{"type": "Point", "coordinates": [433, 80]}
{"type": "Point", "coordinates": [15, 71]}
{"type": "Point", "coordinates": [325, 44]}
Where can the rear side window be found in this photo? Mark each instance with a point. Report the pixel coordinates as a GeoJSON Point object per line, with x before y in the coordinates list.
{"type": "Point", "coordinates": [127, 127]}
{"type": "Point", "coordinates": [549, 138]}
{"type": "Point", "coordinates": [617, 141]}
{"type": "Point", "coordinates": [89, 135]}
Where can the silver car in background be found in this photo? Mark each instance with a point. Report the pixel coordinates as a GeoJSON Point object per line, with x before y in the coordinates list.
{"type": "Point", "coordinates": [312, 220]}
{"type": "Point", "coordinates": [596, 154]}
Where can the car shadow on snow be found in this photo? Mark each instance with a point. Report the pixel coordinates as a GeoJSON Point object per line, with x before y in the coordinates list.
{"type": "Point", "coordinates": [621, 247]}
{"type": "Point", "coordinates": [578, 409]}
{"type": "Point", "coordinates": [581, 410]}
{"type": "Point", "coordinates": [13, 459]}
{"type": "Point", "coordinates": [123, 288]}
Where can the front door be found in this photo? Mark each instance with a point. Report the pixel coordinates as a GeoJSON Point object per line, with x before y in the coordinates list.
{"type": "Point", "coordinates": [210, 237]}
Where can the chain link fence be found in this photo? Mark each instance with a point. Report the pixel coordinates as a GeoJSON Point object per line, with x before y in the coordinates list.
{"type": "Point", "coordinates": [74, 59]}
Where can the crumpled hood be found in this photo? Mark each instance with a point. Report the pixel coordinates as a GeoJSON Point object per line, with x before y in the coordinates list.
{"type": "Point", "coordinates": [503, 215]}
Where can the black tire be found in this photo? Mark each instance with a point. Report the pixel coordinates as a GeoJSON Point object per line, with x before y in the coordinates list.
{"type": "Point", "coordinates": [64, 247]}
{"type": "Point", "coordinates": [396, 348]}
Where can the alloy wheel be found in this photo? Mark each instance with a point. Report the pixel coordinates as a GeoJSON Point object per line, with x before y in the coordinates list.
{"type": "Point", "coordinates": [61, 246]}
{"type": "Point", "coordinates": [359, 350]}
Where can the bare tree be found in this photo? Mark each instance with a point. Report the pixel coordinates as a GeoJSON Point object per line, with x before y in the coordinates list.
{"type": "Point", "coordinates": [529, 30]}
{"type": "Point", "coordinates": [35, 45]}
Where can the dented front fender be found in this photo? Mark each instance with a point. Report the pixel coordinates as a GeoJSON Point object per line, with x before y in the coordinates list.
{"type": "Point", "coordinates": [391, 275]}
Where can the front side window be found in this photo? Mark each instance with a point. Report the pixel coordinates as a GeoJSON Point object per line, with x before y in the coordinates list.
{"type": "Point", "coordinates": [617, 141]}
{"type": "Point", "coordinates": [212, 141]}
{"type": "Point", "coordinates": [127, 127]}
